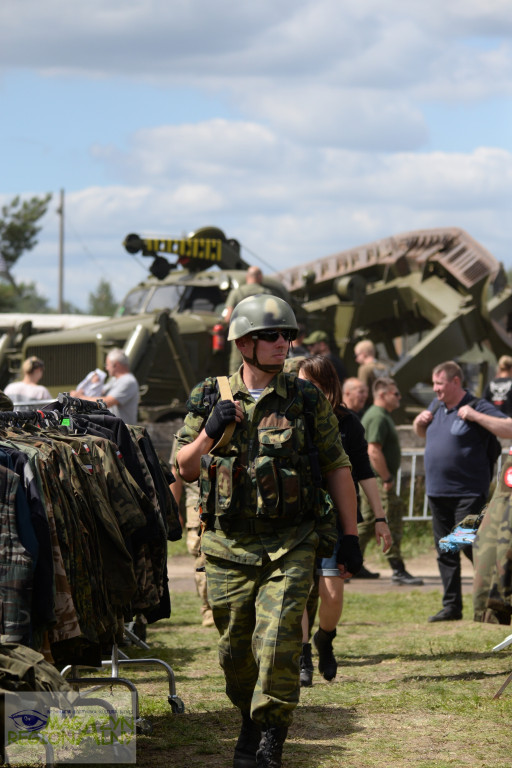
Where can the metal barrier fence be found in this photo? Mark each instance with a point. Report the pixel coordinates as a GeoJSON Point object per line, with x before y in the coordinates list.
{"type": "Point", "coordinates": [411, 475]}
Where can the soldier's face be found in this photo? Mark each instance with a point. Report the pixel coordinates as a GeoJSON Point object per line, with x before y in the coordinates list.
{"type": "Point", "coordinates": [269, 352]}
{"type": "Point", "coordinates": [272, 352]}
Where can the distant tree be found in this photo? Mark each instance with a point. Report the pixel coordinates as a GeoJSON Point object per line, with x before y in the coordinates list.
{"type": "Point", "coordinates": [22, 298]}
{"type": "Point", "coordinates": [69, 309]}
{"type": "Point", "coordinates": [30, 300]}
{"type": "Point", "coordinates": [102, 301]}
{"type": "Point", "coordinates": [19, 228]}
{"type": "Point", "coordinates": [18, 233]}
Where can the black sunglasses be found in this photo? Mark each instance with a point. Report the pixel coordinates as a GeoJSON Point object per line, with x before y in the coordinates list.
{"type": "Point", "coordinates": [273, 335]}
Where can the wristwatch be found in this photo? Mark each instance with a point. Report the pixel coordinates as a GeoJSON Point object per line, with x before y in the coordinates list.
{"type": "Point", "coordinates": [389, 480]}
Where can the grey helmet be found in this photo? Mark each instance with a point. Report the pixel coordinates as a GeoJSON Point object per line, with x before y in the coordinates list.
{"type": "Point", "coordinates": [259, 312]}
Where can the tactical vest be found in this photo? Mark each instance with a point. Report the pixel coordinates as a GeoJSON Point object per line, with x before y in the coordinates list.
{"type": "Point", "coordinates": [256, 485]}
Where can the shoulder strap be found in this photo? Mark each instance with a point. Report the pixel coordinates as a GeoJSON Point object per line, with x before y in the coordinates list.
{"type": "Point", "coordinates": [225, 394]}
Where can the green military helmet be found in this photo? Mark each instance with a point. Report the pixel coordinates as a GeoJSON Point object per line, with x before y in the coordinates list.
{"type": "Point", "coordinates": [256, 313]}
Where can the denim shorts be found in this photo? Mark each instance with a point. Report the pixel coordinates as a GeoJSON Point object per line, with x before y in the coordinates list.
{"type": "Point", "coordinates": [327, 566]}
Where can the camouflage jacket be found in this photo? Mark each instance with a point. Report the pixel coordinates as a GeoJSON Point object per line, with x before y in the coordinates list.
{"type": "Point", "coordinates": [257, 492]}
{"type": "Point", "coordinates": [492, 555]}
{"type": "Point", "coordinates": [6, 403]}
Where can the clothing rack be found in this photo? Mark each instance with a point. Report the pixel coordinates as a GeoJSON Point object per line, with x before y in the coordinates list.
{"type": "Point", "coordinates": [504, 644]}
{"type": "Point", "coordinates": [69, 411]}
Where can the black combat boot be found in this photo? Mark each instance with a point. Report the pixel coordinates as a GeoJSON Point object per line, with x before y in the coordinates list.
{"type": "Point", "coordinates": [306, 666]}
{"type": "Point", "coordinates": [247, 744]}
{"type": "Point", "coordinates": [327, 664]}
{"type": "Point", "coordinates": [401, 576]}
{"type": "Point", "coordinates": [271, 747]}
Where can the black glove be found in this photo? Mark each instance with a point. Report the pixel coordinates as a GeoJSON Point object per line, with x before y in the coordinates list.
{"type": "Point", "coordinates": [222, 415]}
{"type": "Point", "coordinates": [349, 554]}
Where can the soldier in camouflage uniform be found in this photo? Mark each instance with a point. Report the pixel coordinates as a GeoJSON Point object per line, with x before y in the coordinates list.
{"type": "Point", "coordinates": [492, 555]}
{"type": "Point", "coordinates": [265, 516]}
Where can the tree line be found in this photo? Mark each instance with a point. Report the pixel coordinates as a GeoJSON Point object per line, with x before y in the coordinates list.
{"type": "Point", "coordinates": [20, 224]}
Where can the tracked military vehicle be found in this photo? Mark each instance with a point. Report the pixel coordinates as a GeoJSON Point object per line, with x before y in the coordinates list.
{"type": "Point", "coordinates": [169, 325]}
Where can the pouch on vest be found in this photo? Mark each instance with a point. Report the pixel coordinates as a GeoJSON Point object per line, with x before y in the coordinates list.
{"type": "Point", "coordinates": [267, 487]}
{"type": "Point", "coordinates": [277, 441]}
{"type": "Point", "coordinates": [226, 486]}
{"type": "Point", "coordinates": [277, 483]}
{"type": "Point", "coordinates": [278, 490]}
{"type": "Point", "coordinates": [207, 484]}
{"type": "Point", "coordinates": [291, 492]}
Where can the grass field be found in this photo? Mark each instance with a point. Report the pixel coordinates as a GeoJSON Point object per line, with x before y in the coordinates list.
{"type": "Point", "coordinates": [408, 693]}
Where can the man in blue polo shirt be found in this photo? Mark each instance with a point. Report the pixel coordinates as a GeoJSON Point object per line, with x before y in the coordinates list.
{"type": "Point", "coordinates": [457, 468]}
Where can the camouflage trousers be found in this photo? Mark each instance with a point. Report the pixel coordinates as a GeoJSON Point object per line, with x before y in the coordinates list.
{"type": "Point", "coordinates": [258, 612]}
{"type": "Point", "coordinates": [492, 552]}
{"type": "Point", "coordinates": [194, 548]}
{"type": "Point", "coordinates": [394, 509]}
{"type": "Point", "coordinates": [191, 500]}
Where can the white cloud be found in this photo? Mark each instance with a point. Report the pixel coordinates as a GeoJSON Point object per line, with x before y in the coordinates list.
{"type": "Point", "coordinates": [323, 141]}
{"type": "Point", "coordinates": [207, 148]}
{"type": "Point", "coordinates": [360, 42]}
{"type": "Point", "coordinates": [245, 162]}
{"type": "Point", "coordinates": [311, 206]}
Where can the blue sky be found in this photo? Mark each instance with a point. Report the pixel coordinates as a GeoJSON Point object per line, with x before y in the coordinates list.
{"type": "Point", "coordinates": [301, 127]}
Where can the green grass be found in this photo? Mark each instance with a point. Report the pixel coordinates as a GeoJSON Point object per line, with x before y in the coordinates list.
{"type": "Point", "coordinates": [408, 693]}
{"type": "Point", "coordinates": [177, 547]}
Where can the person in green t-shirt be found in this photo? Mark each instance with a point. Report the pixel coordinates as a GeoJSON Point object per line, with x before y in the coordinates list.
{"type": "Point", "coordinates": [385, 455]}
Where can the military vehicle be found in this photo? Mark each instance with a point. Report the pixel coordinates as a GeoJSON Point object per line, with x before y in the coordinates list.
{"type": "Point", "coordinates": [169, 325]}
{"type": "Point", "coordinates": [422, 297]}
{"type": "Point", "coordinates": [15, 327]}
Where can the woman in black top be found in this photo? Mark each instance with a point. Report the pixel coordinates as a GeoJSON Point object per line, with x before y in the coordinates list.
{"type": "Point", "coordinates": [329, 583]}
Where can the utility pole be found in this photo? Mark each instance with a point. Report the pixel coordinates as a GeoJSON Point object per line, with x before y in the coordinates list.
{"type": "Point", "coordinates": [60, 211]}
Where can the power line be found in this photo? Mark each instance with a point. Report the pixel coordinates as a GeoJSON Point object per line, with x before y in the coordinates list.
{"type": "Point", "coordinates": [95, 260]}
{"type": "Point", "coordinates": [259, 258]}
